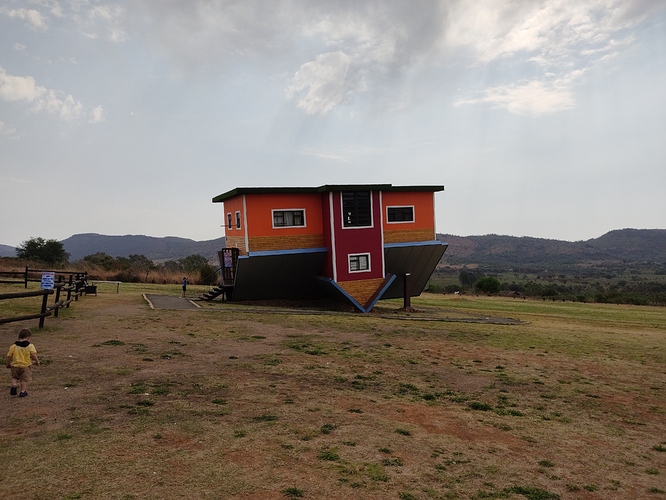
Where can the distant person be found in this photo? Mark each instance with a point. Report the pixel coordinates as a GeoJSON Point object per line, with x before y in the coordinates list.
{"type": "Point", "coordinates": [184, 286]}
{"type": "Point", "coordinates": [19, 360]}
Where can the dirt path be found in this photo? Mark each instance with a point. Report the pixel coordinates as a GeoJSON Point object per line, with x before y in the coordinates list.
{"type": "Point", "coordinates": [169, 302]}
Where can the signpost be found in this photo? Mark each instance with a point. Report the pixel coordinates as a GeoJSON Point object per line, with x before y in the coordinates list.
{"type": "Point", "coordinates": [48, 281]}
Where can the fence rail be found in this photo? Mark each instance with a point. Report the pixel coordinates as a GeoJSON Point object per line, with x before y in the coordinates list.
{"type": "Point", "coordinates": [73, 283]}
{"type": "Point", "coordinates": [34, 276]}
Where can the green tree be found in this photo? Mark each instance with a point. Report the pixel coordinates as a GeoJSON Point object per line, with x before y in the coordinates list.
{"type": "Point", "coordinates": [488, 285]}
{"type": "Point", "coordinates": [171, 266]}
{"type": "Point", "coordinates": [193, 263]}
{"type": "Point", "coordinates": [141, 263]}
{"type": "Point", "coordinates": [101, 259]}
{"type": "Point", "coordinates": [50, 252]}
{"type": "Point", "coordinates": [468, 277]}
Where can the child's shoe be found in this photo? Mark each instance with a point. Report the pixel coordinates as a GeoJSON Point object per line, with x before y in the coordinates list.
{"type": "Point", "coordinates": [23, 394]}
{"type": "Point", "coordinates": [13, 391]}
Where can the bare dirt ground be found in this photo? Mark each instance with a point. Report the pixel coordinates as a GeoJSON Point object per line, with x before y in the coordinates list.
{"type": "Point", "coordinates": [245, 401]}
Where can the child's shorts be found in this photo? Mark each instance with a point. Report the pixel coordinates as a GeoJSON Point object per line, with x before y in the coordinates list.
{"type": "Point", "coordinates": [23, 374]}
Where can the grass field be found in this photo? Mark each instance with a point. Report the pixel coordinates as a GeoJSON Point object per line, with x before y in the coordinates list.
{"type": "Point", "coordinates": [252, 402]}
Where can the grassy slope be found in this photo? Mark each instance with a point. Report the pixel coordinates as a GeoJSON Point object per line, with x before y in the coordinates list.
{"type": "Point", "coordinates": [236, 401]}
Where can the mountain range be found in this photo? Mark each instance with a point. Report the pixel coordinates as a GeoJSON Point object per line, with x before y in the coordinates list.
{"type": "Point", "coordinates": [622, 245]}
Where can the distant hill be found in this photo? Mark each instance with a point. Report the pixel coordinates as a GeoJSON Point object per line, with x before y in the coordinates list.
{"type": "Point", "coordinates": [622, 245]}
{"type": "Point", "coordinates": [7, 251]}
{"type": "Point", "coordinates": [614, 247]}
{"type": "Point", "coordinates": [170, 247]}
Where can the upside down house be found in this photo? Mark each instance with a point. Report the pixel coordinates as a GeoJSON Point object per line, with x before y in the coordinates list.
{"type": "Point", "coordinates": [355, 243]}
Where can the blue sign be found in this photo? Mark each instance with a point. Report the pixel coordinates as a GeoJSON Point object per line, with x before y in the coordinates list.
{"type": "Point", "coordinates": [48, 281]}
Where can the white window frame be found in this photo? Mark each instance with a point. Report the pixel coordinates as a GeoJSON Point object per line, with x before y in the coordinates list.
{"type": "Point", "coordinates": [401, 221]}
{"type": "Point", "coordinates": [230, 222]}
{"type": "Point", "coordinates": [238, 219]}
{"type": "Point", "coordinates": [305, 222]}
{"type": "Point", "coordinates": [358, 255]}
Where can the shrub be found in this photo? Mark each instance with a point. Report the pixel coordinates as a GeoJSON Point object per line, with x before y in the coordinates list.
{"type": "Point", "coordinates": [488, 285]}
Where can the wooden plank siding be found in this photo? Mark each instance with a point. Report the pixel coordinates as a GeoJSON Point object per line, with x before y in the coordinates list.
{"type": "Point", "coordinates": [236, 242]}
{"type": "Point", "coordinates": [362, 290]}
{"type": "Point", "coordinates": [409, 236]}
{"type": "Point", "coordinates": [286, 242]}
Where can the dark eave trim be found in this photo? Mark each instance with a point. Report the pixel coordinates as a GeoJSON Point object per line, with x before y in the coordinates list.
{"type": "Point", "coordinates": [323, 189]}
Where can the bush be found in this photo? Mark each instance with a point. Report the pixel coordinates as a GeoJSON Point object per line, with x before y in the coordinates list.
{"type": "Point", "coordinates": [488, 285]}
{"type": "Point", "coordinates": [208, 275]}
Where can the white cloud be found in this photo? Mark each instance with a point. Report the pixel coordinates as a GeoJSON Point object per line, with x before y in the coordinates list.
{"type": "Point", "coordinates": [97, 115]}
{"type": "Point", "coordinates": [110, 16]}
{"type": "Point", "coordinates": [532, 98]}
{"type": "Point", "coordinates": [561, 40]}
{"type": "Point", "coordinates": [320, 84]}
{"type": "Point", "coordinates": [6, 129]}
{"type": "Point", "coordinates": [339, 50]}
{"type": "Point", "coordinates": [9, 182]}
{"type": "Point", "coordinates": [19, 88]}
{"type": "Point", "coordinates": [24, 88]}
{"type": "Point", "coordinates": [324, 156]}
{"type": "Point", "coordinates": [68, 108]}
{"type": "Point", "coordinates": [33, 18]}
{"type": "Point", "coordinates": [53, 6]}
{"type": "Point", "coordinates": [551, 32]}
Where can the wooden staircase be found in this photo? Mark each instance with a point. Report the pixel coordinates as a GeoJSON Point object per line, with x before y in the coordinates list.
{"type": "Point", "coordinates": [212, 294]}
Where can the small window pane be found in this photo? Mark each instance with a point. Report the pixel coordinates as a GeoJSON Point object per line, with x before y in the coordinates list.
{"type": "Point", "coordinates": [356, 210]}
{"type": "Point", "coordinates": [401, 214]}
{"type": "Point", "coordinates": [359, 262]}
{"type": "Point", "coordinates": [288, 218]}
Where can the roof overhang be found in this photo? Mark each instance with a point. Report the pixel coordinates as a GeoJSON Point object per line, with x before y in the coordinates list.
{"type": "Point", "coordinates": [322, 189]}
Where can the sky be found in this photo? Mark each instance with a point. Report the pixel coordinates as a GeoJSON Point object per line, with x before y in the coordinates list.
{"type": "Point", "coordinates": [541, 118]}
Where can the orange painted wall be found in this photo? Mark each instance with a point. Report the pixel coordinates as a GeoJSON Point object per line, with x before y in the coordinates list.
{"type": "Point", "coordinates": [233, 205]}
{"type": "Point", "coordinates": [424, 209]}
{"type": "Point", "coordinates": [260, 215]}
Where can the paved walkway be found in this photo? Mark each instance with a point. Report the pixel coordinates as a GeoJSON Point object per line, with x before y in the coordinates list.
{"type": "Point", "coordinates": [169, 302]}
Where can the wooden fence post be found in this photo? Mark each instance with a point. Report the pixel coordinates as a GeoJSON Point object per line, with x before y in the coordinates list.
{"type": "Point", "coordinates": [43, 313]}
{"type": "Point", "coordinates": [57, 296]}
{"type": "Point", "coordinates": [408, 299]}
{"type": "Point", "coordinates": [69, 290]}
{"type": "Point", "coordinates": [26, 276]}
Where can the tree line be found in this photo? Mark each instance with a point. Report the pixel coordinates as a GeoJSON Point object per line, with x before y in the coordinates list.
{"type": "Point", "coordinates": [639, 292]}
{"type": "Point", "coordinates": [131, 269]}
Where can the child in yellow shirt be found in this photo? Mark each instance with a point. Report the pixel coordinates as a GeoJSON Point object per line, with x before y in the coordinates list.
{"type": "Point", "coordinates": [19, 360]}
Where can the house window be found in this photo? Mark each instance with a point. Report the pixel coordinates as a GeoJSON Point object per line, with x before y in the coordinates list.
{"type": "Point", "coordinates": [229, 224]}
{"type": "Point", "coordinates": [288, 218]}
{"type": "Point", "coordinates": [356, 209]}
{"type": "Point", "coordinates": [359, 262]}
{"type": "Point", "coordinates": [400, 214]}
{"type": "Point", "coordinates": [238, 220]}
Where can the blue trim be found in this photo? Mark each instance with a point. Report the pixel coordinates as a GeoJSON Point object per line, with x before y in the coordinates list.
{"type": "Point", "coordinates": [342, 291]}
{"type": "Point", "coordinates": [266, 253]}
{"type": "Point", "coordinates": [415, 244]}
{"type": "Point", "coordinates": [352, 299]}
{"type": "Point", "coordinates": [381, 292]}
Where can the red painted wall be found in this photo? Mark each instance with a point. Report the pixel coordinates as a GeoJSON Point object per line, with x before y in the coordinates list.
{"type": "Point", "coordinates": [358, 240]}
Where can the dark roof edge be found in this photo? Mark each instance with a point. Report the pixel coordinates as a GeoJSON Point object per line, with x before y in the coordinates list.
{"type": "Point", "coordinates": [321, 189]}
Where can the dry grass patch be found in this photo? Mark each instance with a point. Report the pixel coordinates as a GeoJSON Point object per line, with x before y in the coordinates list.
{"type": "Point", "coordinates": [244, 401]}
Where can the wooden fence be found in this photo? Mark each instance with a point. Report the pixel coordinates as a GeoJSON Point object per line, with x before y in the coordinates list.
{"type": "Point", "coordinates": [74, 285]}
{"type": "Point", "coordinates": [35, 275]}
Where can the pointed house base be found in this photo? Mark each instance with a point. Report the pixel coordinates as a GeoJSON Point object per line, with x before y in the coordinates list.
{"type": "Point", "coordinates": [359, 298]}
